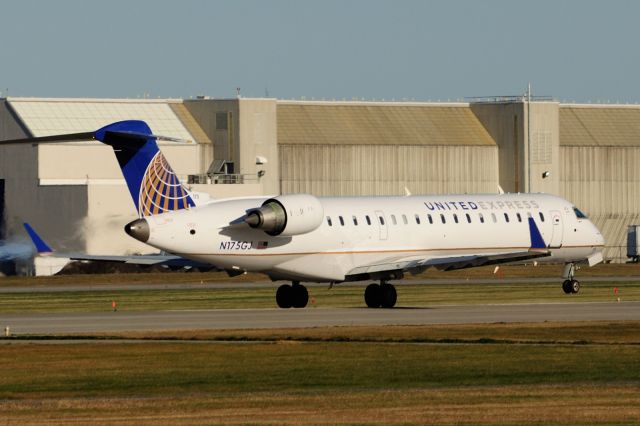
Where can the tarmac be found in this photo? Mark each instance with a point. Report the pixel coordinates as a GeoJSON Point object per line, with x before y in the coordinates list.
{"type": "Point", "coordinates": [119, 321]}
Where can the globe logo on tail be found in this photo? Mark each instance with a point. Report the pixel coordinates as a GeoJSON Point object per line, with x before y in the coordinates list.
{"type": "Point", "coordinates": [160, 190]}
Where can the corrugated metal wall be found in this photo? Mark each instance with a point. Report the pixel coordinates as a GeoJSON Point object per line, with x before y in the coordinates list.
{"type": "Point", "coordinates": [605, 183]}
{"type": "Point", "coordinates": [340, 170]}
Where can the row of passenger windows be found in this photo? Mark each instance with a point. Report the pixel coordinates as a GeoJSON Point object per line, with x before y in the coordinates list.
{"type": "Point", "coordinates": [443, 219]}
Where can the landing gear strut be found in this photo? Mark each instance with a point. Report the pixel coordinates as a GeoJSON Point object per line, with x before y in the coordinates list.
{"type": "Point", "coordinates": [570, 285]}
{"type": "Point", "coordinates": [381, 295]}
{"type": "Point", "coordinates": [292, 296]}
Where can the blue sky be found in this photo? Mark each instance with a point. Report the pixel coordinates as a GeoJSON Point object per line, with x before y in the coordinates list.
{"type": "Point", "coordinates": [424, 50]}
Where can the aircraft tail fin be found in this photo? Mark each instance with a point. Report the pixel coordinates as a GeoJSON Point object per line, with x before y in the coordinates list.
{"type": "Point", "coordinates": [153, 184]}
{"type": "Point", "coordinates": [41, 246]}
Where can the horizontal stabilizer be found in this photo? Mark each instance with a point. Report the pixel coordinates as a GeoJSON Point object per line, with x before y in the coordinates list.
{"type": "Point", "coordinates": [163, 259]}
{"type": "Point", "coordinates": [69, 137]}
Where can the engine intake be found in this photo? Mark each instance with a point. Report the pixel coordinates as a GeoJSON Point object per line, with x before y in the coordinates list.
{"type": "Point", "coordinates": [287, 215]}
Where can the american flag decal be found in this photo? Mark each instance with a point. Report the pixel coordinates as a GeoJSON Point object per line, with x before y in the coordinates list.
{"type": "Point", "coordinates": [160, 190]}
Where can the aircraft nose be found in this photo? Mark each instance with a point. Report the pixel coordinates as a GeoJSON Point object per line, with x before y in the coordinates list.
{"type": "Point", "coordinates": [138, 229]}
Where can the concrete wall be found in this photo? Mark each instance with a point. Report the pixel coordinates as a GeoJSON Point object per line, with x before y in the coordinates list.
{"type": "Point", "coordinates": [544, 147]}
{"type": "Point", "coordinates": [506, 122]}
{"type": "Point", "coordinates": [604, 182]}
{"type": "Point", "coordinates": [258, 133]}
{"type": "Point", "coordinates": [225, 140]}
{"type": "Point", "coordinates": [54, 210]}
{"type": "Point", "coordinates": [338, 170]}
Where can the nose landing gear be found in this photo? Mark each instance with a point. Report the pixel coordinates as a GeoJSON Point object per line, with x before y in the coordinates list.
{"type": "Point", "coordinates": [570, 285]}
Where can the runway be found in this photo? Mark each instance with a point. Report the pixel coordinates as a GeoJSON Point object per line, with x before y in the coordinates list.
{"type": "Point", "coordinates": [106, 322]}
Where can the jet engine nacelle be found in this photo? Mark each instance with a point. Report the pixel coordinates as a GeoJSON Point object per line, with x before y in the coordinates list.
{"type": "Point", "coordinates": [287, 215]}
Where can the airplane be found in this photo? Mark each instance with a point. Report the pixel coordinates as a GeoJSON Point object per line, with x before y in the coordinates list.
{"type": "Point", "coordinates": [161, 259]}
{"type": "Point", "coordinates": [303, 238]}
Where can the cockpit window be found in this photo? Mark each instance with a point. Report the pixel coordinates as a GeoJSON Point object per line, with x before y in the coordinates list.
{"type": "Point", "coordinates": [579, 214]}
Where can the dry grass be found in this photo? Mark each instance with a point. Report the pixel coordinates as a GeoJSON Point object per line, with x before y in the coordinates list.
{"type": "Point", "coordinates": [502, 405]}
{"type": "Point", "coordinates": [594, 332]}
{"type": "Point", "coordinates": [334, 375]}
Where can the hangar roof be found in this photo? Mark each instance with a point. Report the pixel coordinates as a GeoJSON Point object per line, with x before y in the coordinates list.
{"type": "Point", "coordinates": [599, 125]}
{"type": "Point", "coordinates": [379, 124]}
{"type": "Point", "coordinates": [44, 117]}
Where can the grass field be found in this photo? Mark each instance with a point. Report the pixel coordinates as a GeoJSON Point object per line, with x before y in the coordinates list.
{"type": "Point", "coordinates": [344, 295]}
{"type": "Point", "coordinates": [577, 373]}
{"type": "Point", "coordinates": [535, 373]}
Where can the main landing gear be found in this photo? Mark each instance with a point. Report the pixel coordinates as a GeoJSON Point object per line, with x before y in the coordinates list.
{"type": "Point", "coordinates": [570, 285]}
{"type": "Point", "coordinates": [292, 296]}
{"type": "Point", "coordinates": [381, 295]}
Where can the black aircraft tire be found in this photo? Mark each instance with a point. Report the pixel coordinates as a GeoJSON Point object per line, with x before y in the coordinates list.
{"type": "Point", "coordinates": [389, 296]}
{"type": "Point", "coordinates": [566, 286]}
{"type": "Point", "coordinates": [300, 296]}
{"type": "Point", "coordinates": [372, 295]}
{"type": "Point", "coordinates": [284, 296]}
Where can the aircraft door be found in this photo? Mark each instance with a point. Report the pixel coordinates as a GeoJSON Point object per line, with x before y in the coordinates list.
{"type": "Point", "coordinates": [382, 225]}
{"type": "Point", "coordinates": [556, 229]}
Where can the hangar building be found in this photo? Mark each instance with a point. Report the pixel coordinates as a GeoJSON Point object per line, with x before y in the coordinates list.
{"type": "Point", "coordinates": [74, 194]}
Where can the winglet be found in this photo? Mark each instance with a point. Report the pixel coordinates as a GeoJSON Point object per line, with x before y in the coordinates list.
{"type": "Point", "coordinates": [41, 246]}
{"type": "Point", "coordinates": [537, 242]}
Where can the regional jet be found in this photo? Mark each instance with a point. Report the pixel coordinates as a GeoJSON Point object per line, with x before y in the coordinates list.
{"type": "Point", "coordinates": [303, 238]}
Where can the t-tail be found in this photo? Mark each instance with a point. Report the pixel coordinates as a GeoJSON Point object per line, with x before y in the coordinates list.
{"type": "Point", "coordinates": [153, 184]}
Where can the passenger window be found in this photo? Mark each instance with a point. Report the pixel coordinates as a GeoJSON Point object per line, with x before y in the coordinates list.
{"type": "Point", "coordinates": [393, 219]}
{"type": "Point", "coordinates": [481, 217]}
{"type": "Point", "coordinates": [355, 220]}
{"type": "Point", "coordinates": [381, 219]}
{"type": "Point", "coordinates": [541, 217]}
{"type": "Point", "coordinates": [368, 220]}
{"type": "Point", "coordinates": [442, 218]}
{"type": "Point", "coordinates": [341, 220]}
{"type": "Point", "coordinates": [519, 217]}
{"type": "Point", "coordinates": [506, 217]}
{"type": "Point", "coordinates": [329, 221]}
{"type": "Point", "coordinates": [455, 218]}
{"type": "Point", "coordinates": [430, 219]}
{"type": "Point", "coordinates": [417, 219]}
{"type": "Point", "coordinates": [468, 218]}
{"type": "Point", "coordinates": [493, 217]}
{"type": "Point", "coordinates": [404, 219]}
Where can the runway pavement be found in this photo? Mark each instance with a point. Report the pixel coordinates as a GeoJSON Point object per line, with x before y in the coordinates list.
{"type": "Point", "coordinates": [65, 323]}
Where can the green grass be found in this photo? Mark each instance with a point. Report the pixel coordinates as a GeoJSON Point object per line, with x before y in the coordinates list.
{"type": "Point", "coordinates": [320, 296]}
{"type": "Point", "coordinates": [357, 375]}
{"type": "Point", "coordinates": [116, 369]}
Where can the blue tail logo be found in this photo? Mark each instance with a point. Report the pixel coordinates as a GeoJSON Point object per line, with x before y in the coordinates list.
{"type": "Point", "coordinates": [153, 184]}
{"type": "Point", "coordinates": [160, 190]}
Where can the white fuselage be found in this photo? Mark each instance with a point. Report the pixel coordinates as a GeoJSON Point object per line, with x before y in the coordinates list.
{"type": "Point", "coordinates": [366, 230]}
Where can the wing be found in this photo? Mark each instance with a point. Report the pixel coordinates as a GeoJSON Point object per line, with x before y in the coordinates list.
{"type": "Point", "coordinates": [169, 260]}
{"type": "Point", "coordinates": [537, 249]}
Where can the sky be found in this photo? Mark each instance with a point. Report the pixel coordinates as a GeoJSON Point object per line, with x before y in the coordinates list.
{"type": "Point", "coordinates": [573, 51]}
